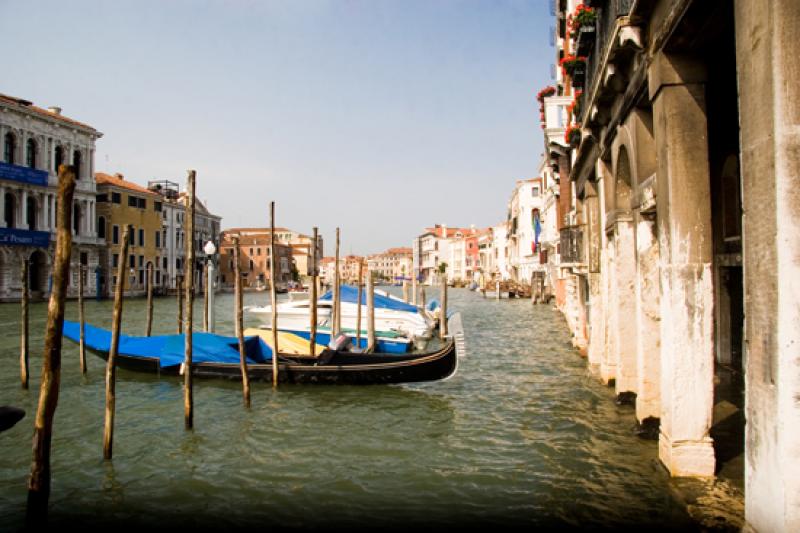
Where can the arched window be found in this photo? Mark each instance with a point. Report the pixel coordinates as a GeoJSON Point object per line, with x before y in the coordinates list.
{"type": "Point", "coordinates": [10, 210]}
{"type": "Point", "coordinates": [31, 208]}
{"type": "Point", "coordinates": [30, 153]}
{"type": "Point", "coordinates": [101, 227]}
{"type": "Point", "coordinates": [9, 147]}
{"type": "Point", "coordinates": [76, 218]}
{"type": "Point", "coordinates": [76, 160]}
{"type": "Point", "coordinates": [59, 159]}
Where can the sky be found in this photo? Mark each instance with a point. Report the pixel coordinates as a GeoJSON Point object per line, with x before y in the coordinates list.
{"type": "Point", "coordinates": [379, 117]}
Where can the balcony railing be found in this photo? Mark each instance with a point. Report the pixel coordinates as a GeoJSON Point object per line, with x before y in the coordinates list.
{"type": "Point", "coordinates": [572, 245]}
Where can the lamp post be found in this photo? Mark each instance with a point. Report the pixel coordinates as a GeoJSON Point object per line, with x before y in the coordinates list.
{"type": "Point", "coordinates": [210, 250]}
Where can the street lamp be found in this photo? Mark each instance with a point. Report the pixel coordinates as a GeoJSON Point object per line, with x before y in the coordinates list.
{"type": "Point", "coordinates": [210, 250]}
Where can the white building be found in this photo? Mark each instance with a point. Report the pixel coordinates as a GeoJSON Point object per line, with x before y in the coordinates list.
{"type": "Point", "coordinates": [35, 142]}
{"type": "Point", "coordinates": [525, 213]}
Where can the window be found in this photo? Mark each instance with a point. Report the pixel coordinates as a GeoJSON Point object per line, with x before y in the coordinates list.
{"type": "Point", "coordinates": [535, 192]}
{"type": "Point", "coordinates": [76, 160]}
{"type": "Point", "coordinates": [158, 239]}
{"type": "Point", "coordinates": [157, 206]}
{"type": "Point", "coordinates": [115, 261]}
{"type": "Point", "coordinates": [116, 198]}
{"type": "Point", "coordinates": [32, 214]}
{"type": "Point", "coordinates": [141, 237]}
{"type": "Point", "coordinates": [131, 236]}
{"type": "Point", "coordinates": [142, 203]}
{"type": "Point", "coordinates": [30, 153]}
{"type": "Point", "coordinates": [251, 264]}
{"type": "Point", "coordinates": [59, 159]}
{"type": "Point", "coordinates": [258, 250]}
{"type": "Point", "coordinates": [141, 261]}
{"type": "Point", "coordinates": [101, 198]}
{"type": "Point", "coordinates": [101, 227]}
{"type": "Point", "coordinates": [158, 277]}
{"type": "Point", "coordinates": [132, 261]}
{"type": "Point", "coordinates": [133, 201]}
{"type": "Point", "coordinates": [9, 147]}
{"type": "Point", "coordinates": [114, 234]}
{"type": "Point", "coordinates": [164, 263]}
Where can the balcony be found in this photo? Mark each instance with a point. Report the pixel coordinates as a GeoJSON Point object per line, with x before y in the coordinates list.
{"type": "Point", "coordinates": [26, 175]}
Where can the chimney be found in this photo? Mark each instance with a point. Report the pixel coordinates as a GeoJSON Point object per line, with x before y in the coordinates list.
{"type": "Point", "coordinates": [444, 231]}
{"type": "Point", "coordinates": [54, 110]}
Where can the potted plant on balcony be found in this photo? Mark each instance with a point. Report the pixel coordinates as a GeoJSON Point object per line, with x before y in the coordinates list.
{"type": "Point", "coordinates": [584, 17]}
{"type": "Point", "coordinates": [573, 136]}
{"type": "Point", "coordinates": [575, 107]}
{"type": "Point", "coordinates": [544, 93]}
{"type": "Point", "coordinates": [575, 67]}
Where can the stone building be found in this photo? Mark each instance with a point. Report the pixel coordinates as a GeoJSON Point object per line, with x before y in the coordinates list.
{"type": "Point", "coordinates": [35, 141]}
{"type": "Point", "coordinates": [121, 204]}
{"type": "Point", "coordinates": [680, 230]}
{"type": "Point", "coordinates": [254, 255]}
{"type": "Point", "coordinates": [395, 264]}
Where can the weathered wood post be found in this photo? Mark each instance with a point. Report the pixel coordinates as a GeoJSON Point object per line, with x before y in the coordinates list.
{"type": "Point", "coordinates": [39, 482]}
{"type": "Point", "coordinates": [23, 342]}
{"type": "Point", "coordinates": [337, 308]}
{"type": "Point", "coordinates": [370, 313]}
{"type": "Point", "coordinates": [111, 367]}
{"type": "Point", "coordinates": [414, 286]}
{"type": "Point", "coordinates": [405, 291]}
{"type": "Point", "coordinates": [313, 295]}
{"type": "Point", "coordinates": [188, 397]}
{"type": "Point", "coordinates": [273, 294]}
{"type": "Point", "coordinates": [81, 321]}
{"type": "Point", "coordinates": [179, 296]}
{"type": "Point", "coordinates": [237, 288]}
{"type": "Point", "coordinates": [149, 325]}
{"type": "Point", "coordinates": [358, 306]}
{"type": "Point", "coordinates": [498, 289]}
{"type": "Point", "coordinates": [206, 280]}
{"type": "Point", "coordinates": [443, 309]}
{"type": "Point", "coordinates": [424, 299]}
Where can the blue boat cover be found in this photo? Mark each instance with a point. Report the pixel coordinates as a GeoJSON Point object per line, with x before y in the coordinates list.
{"type": "Point", "coordinates": [169, 349]}
{"type": "Point", "coordinates": [350, 294]}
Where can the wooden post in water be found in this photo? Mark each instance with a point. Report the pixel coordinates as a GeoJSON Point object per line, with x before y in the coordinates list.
{"type": "Point", "coordinates": [273, 294]}
{"type": "Point", "coordinates": [443, 309]}
{"type": "Point", "coordinates": [188, 397]}
{"type": "Point", "coordinates": [179, 295]}
{"type": "Point", "coordinates": [82, 322]}
{"type": "Point", "coordinates": [205, 297]}
{"type": "Point", "coordinates": [370, 313]}
{"type": "Point", "coordinates": [313, 294]}
{"type": "Point", "coordinates": [360, 292]}
{"type": "Point", "coordinates": [149, 326]}
{"type": "Point", "coordinates": [498, 289]}
{"type": "Point", "coordinates": [424, 298]}
{"type": "Point", "coordinates": [237, 284]}
{"type": "Point", "coordinates": [111, 368]}
{"type": "Point", "coordinates": [39, 482]}
{"type": "Point", "coordinates": [337, 309]}
{"type": "Point", "coordinates": [414, 286]}
{"type": "Point", "coordinates": [405, 291]}
{"type": "Point", "coordinates": [23, 341]}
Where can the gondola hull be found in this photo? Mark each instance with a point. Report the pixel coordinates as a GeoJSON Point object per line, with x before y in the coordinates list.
{"type": "Point", "coordinates": [341, 368]}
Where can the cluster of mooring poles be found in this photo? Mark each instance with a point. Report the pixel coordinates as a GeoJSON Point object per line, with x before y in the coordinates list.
{"type": "Point", "coordinates": [40, 478]}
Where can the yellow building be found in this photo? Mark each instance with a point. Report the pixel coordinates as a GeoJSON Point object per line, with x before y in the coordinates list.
{"type": "Point", "coordinates": [121, 203]}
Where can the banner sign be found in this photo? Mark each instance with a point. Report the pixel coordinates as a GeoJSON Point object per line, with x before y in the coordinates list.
{"type": "Point", "coordinates": [24, 237]}
{"type": "Point", "coordinates": [31, 176]}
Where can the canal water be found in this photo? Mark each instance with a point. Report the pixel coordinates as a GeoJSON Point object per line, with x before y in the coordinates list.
{"type": "Point", "coordinates": [522, 436]}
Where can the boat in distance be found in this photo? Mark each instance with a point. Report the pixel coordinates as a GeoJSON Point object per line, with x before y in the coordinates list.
{"type": "Point", "coordinates": [217, 356]}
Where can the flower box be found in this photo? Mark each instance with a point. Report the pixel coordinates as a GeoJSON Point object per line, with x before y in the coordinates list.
{"type": "Point", "coordinates": [585, 41]}
{"type": "Point", "coordinates": [573, 136]}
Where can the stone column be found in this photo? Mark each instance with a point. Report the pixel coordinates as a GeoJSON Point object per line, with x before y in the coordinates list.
{"type": "Point", "coordinates": [624, 277]}
{"type": "Point", "coordinates": [648, 318]}
{"type": "Point", "coordinates": [686, 286]}
{"type": "Point", "coordinates": [769, 105]}
{"type": "Point", "coordinates": [608, 364]}
{"type": "Point", "coordinates": [22, 218]}
{"type": "Point", "coordinates": [2, 202]}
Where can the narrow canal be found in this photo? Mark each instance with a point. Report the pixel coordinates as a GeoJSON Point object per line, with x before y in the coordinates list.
{"type": "Point", "coordinates": [521, 436]}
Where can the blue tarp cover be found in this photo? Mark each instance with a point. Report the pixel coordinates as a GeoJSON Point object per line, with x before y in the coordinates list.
{"type": "Point", "coordinates": [169, 349]}
{"type": "Point", "coordinates": [350, 294]}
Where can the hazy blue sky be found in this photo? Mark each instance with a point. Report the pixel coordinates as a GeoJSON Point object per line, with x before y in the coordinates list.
{"type": "Point", "coordinates": [381, 117]}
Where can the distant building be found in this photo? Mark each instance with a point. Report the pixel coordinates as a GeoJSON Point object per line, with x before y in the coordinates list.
{"type": "Point", "coordinates": [254, 264]}
{"type": "Point", "coordinates": [35, 142]}
{"type": "Point", "coordinates": [121, 204]}
{"type": "Point", "coordinates": [394, 264]}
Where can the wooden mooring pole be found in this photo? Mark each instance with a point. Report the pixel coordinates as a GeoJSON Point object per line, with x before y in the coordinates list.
{"type": "Point", "coordinates": [111, 367]}
{"type": "Point", "coordinates": [273, 294]}
{"type": "Point", "coordinates": [405, 291]}
{"type": "Point", "coordinates": [443, 309]}
{"type": "Point", "coordinates": [370, 313]}
{"type": "Point", "coordinates": [313, 295]}
{"type": "Point", "coordinates": [149, 325]}
{"type": "Point", "coordinates": [360, 293]}
{"type": "Point", "coordinates": [205, 296]}
{"type": "Point", "coordinates": [23, 341]}
{"type": "Point", "coordinates": [188, 398]}
{"type": "Point", "coordinates": [237, 284]}
{"type": "Point", "coordinates": [39, 481]}
{"type": "Point", "coordinates": [337, 309]}
{"type": "Point", "coordinates": [179, 296]}
{"type": "Point", "coordinates": [82, 322]}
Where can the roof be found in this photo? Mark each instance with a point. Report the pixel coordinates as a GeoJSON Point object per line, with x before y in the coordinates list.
{"type": "Point", "coordinates": [28, 106]}
{"type": "Point", "coordinates": [398, 251]}
{"type": "Point", "coordinates": [118, 180]}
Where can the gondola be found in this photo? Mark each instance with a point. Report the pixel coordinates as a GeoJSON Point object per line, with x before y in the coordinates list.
{"type": "Point", "coordinates": [217, 356]}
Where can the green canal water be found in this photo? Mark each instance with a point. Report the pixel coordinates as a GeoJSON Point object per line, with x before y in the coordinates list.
{"type": "Point", "coordinates": [522, 436]}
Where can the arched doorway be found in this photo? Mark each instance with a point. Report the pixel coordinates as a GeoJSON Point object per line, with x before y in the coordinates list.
{"type": "Point", "coordinates": [37, 272]}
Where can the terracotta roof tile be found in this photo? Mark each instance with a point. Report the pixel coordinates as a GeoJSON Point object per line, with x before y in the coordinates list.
{"type": "Point", "coordinates": [44, 112]}
{"type": "Point", "coordinates": [118, 180]}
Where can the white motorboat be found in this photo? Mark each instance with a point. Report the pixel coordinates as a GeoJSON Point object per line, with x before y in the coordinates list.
{"type": "Point", "coordinates": [390, 314]}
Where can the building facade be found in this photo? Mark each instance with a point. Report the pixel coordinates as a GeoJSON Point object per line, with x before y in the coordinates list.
{"type": "Point", "coordinates": [35, 142]}
{"type": "Point", "coordinates": [254, 260]}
